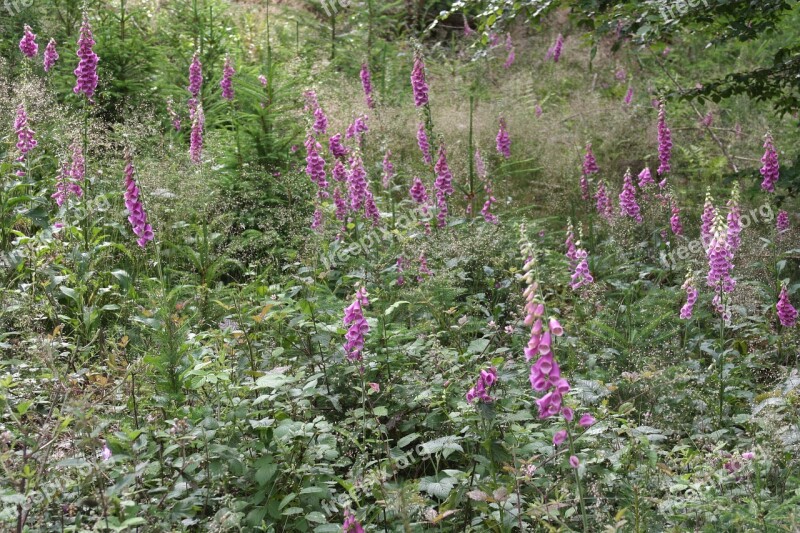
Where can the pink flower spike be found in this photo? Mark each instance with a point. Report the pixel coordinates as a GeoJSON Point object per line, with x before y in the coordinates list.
{"type": "Point", "coordinates": [787, 314]}
{"type": "Point", "coordinates": [28, 45]}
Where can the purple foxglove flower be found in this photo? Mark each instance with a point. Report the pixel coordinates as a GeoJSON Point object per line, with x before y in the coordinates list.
{"type": "Point", "coordinates": [341, 205]}
{"type": "Point", "coordinates": [400, 264]}
{"type": "Point", "coordinates": [351, 525]}
{"type": "Point", "coordinates": [316, 221]}
{"type": "Point", "coordinates": [441, 205]}
{"type": "Point", "coordinates": [589, 162]}
{"type": "Point", "coordinates": [320, 126]}
{"type": "Point", "coordinates": [557, 48]}
{"type": "Point", "coordinates": [771, 168]}
{"type": "Point", "coordinates": [371, 210]}
{"type": "Point", "coordinates": [418, 84]}
{"type": "Point", "coordinates": [567, 413]}
{"type": "Point", "coordinates": [574, 462]}
{"type": "Point", "coordinates": [50, 55]}
{"type": "Point", "coordinates": [105, 453]}
{"type": "Point", "coordinates": [646, 178]}
{"type": "Point", "coordinates": [707, 219]}
{"type": "Point", "coordinates": [61, 193]}
{"type": "Point", "coordinates": [707, 120]}
{"type": "Point", "coordinates": [480, 165]}
{"type": "Point", "coordinates": [582, 276]}
{"type": "Point", "coordinates": [133, 203]}
{"type": "Point", "coordinates": [720, 261]}
{"type": "Point", "coordinates": [78, 165]}
{"type": "Point", "coordinates": [86, 73]}
{"type": "Point", "coordinates": [510, 59]}
{"type": "Point", "coordinates": [603, 202]}
{"type": "Point", "coordinates": [585, 195]}
{"type": "Point", "coordinates": [315, 165]}
{"type": "Point", "coordinates": [555, 327]}
{"type": "Point", "coordinates": [424, 145]}
{"type": "Point", "coordinates": [786, 313]}
{"type": "Point", "coordinates": [628, 97]}
{"type": "Point", "coordinates": [354, 317]}
{"type": "Point", "coordinates": [357, 184]}
{"type": "Point", "coordinates": [480, 391]}
{"type": "Point", "coordinates": [559, 437]}
{"type": "Point", "coordinates": [226, 83]}
{"type": "Point", "coordinates": [627, 199]}
{"type": "Point", "coordinates": [25, 135]}
{"type": "Point", "coordinates": [27, 44]}
{"type": "Point", "coordinates": [418, 192]}
{"type": "Point", "coordinates": [782, 224]}
{"type": "Point", "coordinates": [675, 219]}
{"type": "Point", "coordinates": [366, 83]}
{"type": "Point", "coordinates": [503, 140]}
{"type": "Point", "coordinates": [664, 141]}
{"type": "Point", "coordinates": [586, 420]}
{"type": "Point", "coordinates": [336, 147]}
{"type": "Point", "coordinates": [196, 136]}
{"type": "Point", "coordinates": [423, 266]}
{"type": "Point", "coordinates": [468, 32]}
{"type": "Point", "coordinates": [569, 243]}
{"type": "Point", "coordinates": [339, 172]}
{"type": "Point", "coordinates": [691, 297]}
{"type": "Point", "coordinates": [263, 80]}
{"type": "Point", "coordinates": [444, 178]}
{"type": "Point", "coordinates": [195, 76]}
{"type": "Point", "coordinates": [388, 170]}
{"type": "Point", "coordinates": [538, 110]}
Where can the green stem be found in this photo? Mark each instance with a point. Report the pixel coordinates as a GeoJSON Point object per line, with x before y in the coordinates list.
{"type": "Point", "coordinates": [581, 503]}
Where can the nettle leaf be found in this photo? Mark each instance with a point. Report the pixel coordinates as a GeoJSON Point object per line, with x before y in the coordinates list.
{"type": "Point", "coordinates": [478, 346]}
{"type": "Point", "coordinates": [437, 488]}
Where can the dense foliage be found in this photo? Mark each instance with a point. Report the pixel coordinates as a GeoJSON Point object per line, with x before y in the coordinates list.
{"type": "Point", "coordinates": [399, 266]}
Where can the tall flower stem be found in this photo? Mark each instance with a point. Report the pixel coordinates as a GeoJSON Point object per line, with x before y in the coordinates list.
{"type": "Point", "coordinates": [86, 182]}
{"type": "Point", "coordinates": [470, 156]}
{"type": "Point", "coordinates": [581, 503]}
{"type": "Point", "coordinates": [721, 355]}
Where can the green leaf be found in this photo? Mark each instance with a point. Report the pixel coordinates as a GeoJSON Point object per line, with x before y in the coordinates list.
{"type": "Point", "coordinates": [266, 473]}
{"type": "Point", "coordinates": [69, 293]}
{"type": "Point", "coordinates": [437, 488]}
{"type": "Point", "coordinates": [478, 346]}
{"type": "Point", "coordinates": [392, 308]}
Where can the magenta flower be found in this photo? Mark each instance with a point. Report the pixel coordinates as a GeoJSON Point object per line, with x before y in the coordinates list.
{"type": "Point", "coordinates": [675, 219]}
{"type": "Point", "coordinates": [418, 85]}
{"type": "Point", "coordinates": [771, 168]}
{"type": "Point", "coordinates": [480, 391]}
{"type": "Point", "coordinates": [707, 120]}
{"type": "Point", "coordinates": [423, 267]}
{"type": "Point", "coordinates": [627, 199]}
{"type": "Point", "coordinates": [555, 51]}
{"type": "Point", "coordinates": [388, 170]}
{"type": "Point", "coordinates": [320, 125]}
{"type": "Point", "coordinates": [782, 223]}
{"type": "Point", "coordinates": [105, 453]}
{"type": "Point", "coordinates": [417, 191]}
{"type": "Point", "coordinates": [195, 76]}
{"type": "Point", "coordinates": [720, 264]}
{"type": "Point", "coordinates": [366, 83]}
{"type": "Point", "coordinates": [336, 147]}
{"type": "Point", "coordinates": [354, 317]}
{"type": "Point", "coordinates": [315, 165]}
{"type": "Point", "coordinates": [664, 141]}
{"type": "Point", "coordinates": [468, 32]}
{"type": "Point", "coordinates": [226, 83]}
{"type": "Point", "coordinates": [786, 313]}
{"type": "Point", "coordinates": [27, 45]}
{"type": "Point", "coordinates": [559, 437]}
{"type": "Point", "coordinates": [645, 178]}
{"type": "Point", "coordinates": [25, 135]}
{"type": "Point", "coordinates": [581, 276]}
{"type": "Point", "coordinates": [691, 297]}
{"type": "Point", "coordinates": [357, 184]}
{"type": "Point", "coordinates": [371, 209]}
{"type": "Point", "coordinates": [503, 140]}
{"type": "Point", "coordinates": [628, 97]}
{"type": "Point", "coordinates": [574, 462]}
{"type": "Point", "coordinates": [196, 136]}
{"type": "Point", "coordinates": [339, 172]}
{"type": "Point", "coordinates": [341, 205]}
{"type": "Point", "coordinates": [586, 421]}
{"type": "Point", "coordinates": [569, 244]}
{"type": "Point", "coordinates": [707, 219]}
{"type": "Point", "coordinates": [400, 265]}
{"type": "Point", "coordinates": [441, 205]}
{"type": "Point", "coordinates": [589, 162]}
{"type": "Point", "coordinates": [316, 220]}
{"type": "Point", "coordinates": [538, 110]}
{"type": "Point", "coordinates": [176, 120]}
{"type": "Point", "coordinates": [424, 145]}
{"type": "Point", "coordinates": [50, 55]}
{"type": "Point", "coordinates": [357, 128]}
{"type": "Point", "coordinates": [263, 80]}
{"type": "Point", "coordinates": [351, 525]}
{"type": "Point", "coordinates": [603, 202]}
{"type": "Point", "coordinates": [510, 59]}
{"type": "Point", "coordinates": [65, 184]}
{"type": "Point", "coordinates": [585, 194]}
{"type": "Point", "coordinates": [734, 220]}
{"type": "Point", "coordinates": [444, 178]}
{"type": "Point", "coordinates": [133, 203]}
{"type": "Point", "coordinates": [86, 73]}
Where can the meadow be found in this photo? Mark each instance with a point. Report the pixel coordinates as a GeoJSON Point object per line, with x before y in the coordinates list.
{"type": "Point", "coordinates": [406, 266]}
